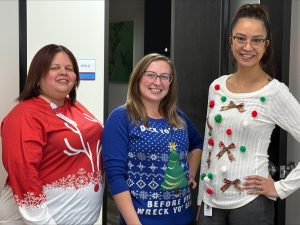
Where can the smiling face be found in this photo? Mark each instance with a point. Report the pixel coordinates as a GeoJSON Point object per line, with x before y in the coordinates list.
{"type": "Point", "coordinates": [249, 53]}
{"type": "Point", "coordinates": [57, 83]}
{"type": "Point", "coordinates": [152, 92]}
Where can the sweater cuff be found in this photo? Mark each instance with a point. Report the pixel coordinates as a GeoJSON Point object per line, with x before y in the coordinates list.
{"type": "Point", "coordinates": [118, 187]}
{"type": "Point", "coordinates": [279, 187]}
{"type": "Point", "coordinates": [199, 202]}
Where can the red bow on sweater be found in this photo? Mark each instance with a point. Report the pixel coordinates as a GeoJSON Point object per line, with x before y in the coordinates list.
{"type": "Point", "coordinates": [226, 149]}
{"type": "Point", "coordinates": [208, 125]}
{"type": "Point", "coordinates": [229, 182]}
{"type": "Point", "coordinates": [208, 160]}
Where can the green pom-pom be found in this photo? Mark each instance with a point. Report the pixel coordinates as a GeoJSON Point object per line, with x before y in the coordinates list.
{"type": "Point", "coordinates": [202, 176]}
{"type": "Point", "coordinates": [243, 148]}
{"type": "Point", "coordinates": [262, 99]}
{"type": "Point", "coordinates": [210, 175]}
{"type": "Point", "coordinates": [223, 98]}
{"type": "Point", "coordinates": [209, 133]}
{"type": "Point", "coordinates": [218, 118]}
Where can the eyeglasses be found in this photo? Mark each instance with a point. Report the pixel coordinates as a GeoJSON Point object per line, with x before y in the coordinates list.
{"type": "Point", "coordinates": [254, 42]}
{"type": "Point", "coordinates": [164, 77]}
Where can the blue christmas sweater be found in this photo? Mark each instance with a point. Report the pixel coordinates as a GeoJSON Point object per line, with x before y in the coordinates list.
{"type": "Point", "coordinates": [151, 163]}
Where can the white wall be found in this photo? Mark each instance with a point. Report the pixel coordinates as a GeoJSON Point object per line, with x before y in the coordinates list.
{"type": "Point", "coordinates": [9, 58]}
{"type": "Point", "coordinates": [129, 10]}
{"type": "Point", "coordinates": [293, 202]}
{"type": "Point", "coordinates": [78, 25]}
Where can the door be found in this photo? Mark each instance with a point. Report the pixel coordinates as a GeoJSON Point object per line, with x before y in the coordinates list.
{"type": "Point", "coordinates": [201, 53]}
{"type": "Point", "coordinates": [293, 202]}
{"type": "Point", "coordinates": [195, 50]}
{"type": "Point", "coordinates": [280, 17]}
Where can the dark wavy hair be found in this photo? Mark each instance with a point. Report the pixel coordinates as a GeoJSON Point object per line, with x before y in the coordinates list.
{"type": "Point", "coordinates": [40, 66]}
{"type": "Point", "coordinates": [258, 12]}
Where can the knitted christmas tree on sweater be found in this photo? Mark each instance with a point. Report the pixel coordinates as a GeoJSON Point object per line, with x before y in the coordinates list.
{"type": "Point", "coordinates": [174, 177]}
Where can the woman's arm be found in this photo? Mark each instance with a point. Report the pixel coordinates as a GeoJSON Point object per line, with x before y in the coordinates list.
{"type": "Point", "coordinates": [284, 111]}
{"type": "Point", "coordinates": [194, 159]}
{"type": "Point", "coordinates": [115, 155]}
{"type": "Point", "coordinates": [22, 149]}
{"type": "Point", "coordinates": [124, 203]}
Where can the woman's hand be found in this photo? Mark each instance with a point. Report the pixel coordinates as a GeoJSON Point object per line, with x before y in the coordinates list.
{"type": "Point", "coordinates": [192, 183]}
{"type": "Point", "coordinates": [260, 185]}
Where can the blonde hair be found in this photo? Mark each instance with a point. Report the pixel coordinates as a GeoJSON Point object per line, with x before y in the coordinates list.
{"type": "Point", "coordinates": [167, 107]}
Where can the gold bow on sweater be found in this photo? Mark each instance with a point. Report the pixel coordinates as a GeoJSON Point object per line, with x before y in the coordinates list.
{"type": "Point", "coordinates": [231, 105]}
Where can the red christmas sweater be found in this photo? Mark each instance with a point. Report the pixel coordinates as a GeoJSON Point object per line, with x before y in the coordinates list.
{"type": "Point", "coordinates": [53, 160]}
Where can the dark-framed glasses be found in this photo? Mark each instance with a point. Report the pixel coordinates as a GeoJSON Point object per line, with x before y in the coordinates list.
{"type": "Point", "coordinates": [254, 42]}
{"type": "Point", "coordinates": [164, 77]}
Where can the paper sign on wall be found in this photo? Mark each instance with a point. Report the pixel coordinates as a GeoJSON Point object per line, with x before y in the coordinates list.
{"type": "Point", "coordinates": [87, 69]}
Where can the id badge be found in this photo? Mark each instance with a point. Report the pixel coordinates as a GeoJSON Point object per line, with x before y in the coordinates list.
{"type": "Point", "coordinates": [207, 210]}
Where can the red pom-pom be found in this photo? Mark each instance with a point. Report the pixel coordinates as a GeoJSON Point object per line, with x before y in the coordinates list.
{"type": "Point", "coordinates": [211, 103]}
{"type": "Point", "coordinates": [210, 141]}
{"type": "Point", "coordinates": [228, 131]}
{"type": "Point", "coordinates": [254, 113]}
{"type": "Point", "coordinates": [209, 191]}
{"type": "Point", "coordinates": [217, 87]}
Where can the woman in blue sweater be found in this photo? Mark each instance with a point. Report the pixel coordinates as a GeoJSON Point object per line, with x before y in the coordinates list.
{"type": "Point", "coordinates": [151, 150]}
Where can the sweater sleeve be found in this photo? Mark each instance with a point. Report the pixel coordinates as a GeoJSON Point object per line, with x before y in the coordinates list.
{"type": "Point", "coordinates": [285, 113]}
{"type": "Point", "coordinates": [115, 149]}
{"type": "Point", "coordinates": [195, 138]}
{"type": "Point", "coordinates": [205, 153]}
{"type": "Point", "coordinates": [22, 149]}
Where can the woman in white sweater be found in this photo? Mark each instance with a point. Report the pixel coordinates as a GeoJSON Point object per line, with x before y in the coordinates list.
{"type": "Point", "coordinates": [244, 107]}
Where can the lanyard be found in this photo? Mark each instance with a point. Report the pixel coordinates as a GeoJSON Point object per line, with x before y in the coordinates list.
{"type": "Point", "coordinates": [61, 116]}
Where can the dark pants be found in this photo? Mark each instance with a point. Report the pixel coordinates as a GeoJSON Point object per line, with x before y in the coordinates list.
{"type": "Point", "coordinates": [258, 212]}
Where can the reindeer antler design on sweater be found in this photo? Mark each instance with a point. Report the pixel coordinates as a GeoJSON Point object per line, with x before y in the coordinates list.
{"type": "Point", "coordinates": [86, 149]}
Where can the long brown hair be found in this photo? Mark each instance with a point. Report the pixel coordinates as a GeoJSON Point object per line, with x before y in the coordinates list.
{"type": "Point", "coordinates": [167, 107]}
{"type": "Point", "coordinates": [258, 12]}
{"type": "Point", "coordinates": [40, 66]}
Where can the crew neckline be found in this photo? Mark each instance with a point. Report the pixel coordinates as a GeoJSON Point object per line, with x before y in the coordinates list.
{"type": "Point", "coordinates": [156, 119]}
{"type": "Point", "coordinates": [43, 100]}
{"type": "Point", "coordinates": [245, 94]}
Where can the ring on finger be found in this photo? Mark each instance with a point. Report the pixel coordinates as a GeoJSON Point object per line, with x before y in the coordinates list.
{"type": "Point", "coordinates": [258, 187]}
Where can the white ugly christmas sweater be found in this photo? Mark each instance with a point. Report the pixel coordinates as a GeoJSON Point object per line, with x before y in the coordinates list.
{"type": "Point", "coordinates": [237, 137]}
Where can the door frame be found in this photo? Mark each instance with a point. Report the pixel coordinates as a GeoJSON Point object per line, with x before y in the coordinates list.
{"type": "Point", "coordinates": [280, 16]}
{"type": "Point", "coordinates": [22, 43]}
